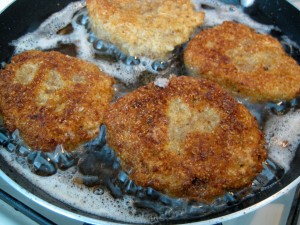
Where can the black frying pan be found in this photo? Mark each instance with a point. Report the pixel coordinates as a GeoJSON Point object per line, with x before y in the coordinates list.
{"type": "Point", "coordinates": [25, 15]}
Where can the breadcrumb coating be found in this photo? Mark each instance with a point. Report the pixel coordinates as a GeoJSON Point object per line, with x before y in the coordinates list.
{"type": "Point", "coordinates": [248, 64]}
{"type": "Point", "coordinates": [190, 139]}
{"type": "Point", "coordinates": [53, 99]}
{"type": "Point", "coordinates": [144, 28]}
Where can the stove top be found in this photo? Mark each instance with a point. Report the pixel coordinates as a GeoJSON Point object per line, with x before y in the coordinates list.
{"type": "Point", "coordinates": [283, 211]}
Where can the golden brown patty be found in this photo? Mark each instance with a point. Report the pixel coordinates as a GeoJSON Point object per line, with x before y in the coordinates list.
{"type": "Point", "coordinates": [144, 28]}
{"type": "Point", "coordinates": [190, 139]}
{"type": "Point", "coordinates": [53, 99]}
{"type": "Point", "coordinates": [246, 63]}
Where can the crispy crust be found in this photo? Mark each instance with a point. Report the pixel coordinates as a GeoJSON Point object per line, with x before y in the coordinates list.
{"type": "Point", "coordinates": [190, 139]}
{"type": "Point", "coordinates": [246, 63]}
{"type": "Point", "coordinates": [144, 28]}
{"type": "Point", "coordinates": [53, 99]}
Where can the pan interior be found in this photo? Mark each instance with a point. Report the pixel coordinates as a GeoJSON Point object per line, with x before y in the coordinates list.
{"type": "Point", "coordinates": [129, 207]}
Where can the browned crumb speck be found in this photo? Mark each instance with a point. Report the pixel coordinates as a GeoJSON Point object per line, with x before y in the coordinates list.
{"type": "Point", "coordinates": [144, 28]}
{"type": "Point", "coordinates": [53, 99]}
{"type": "Point", "coordinates": [190, 139]}
{"type": "Point", "coordinates": [248, 64]}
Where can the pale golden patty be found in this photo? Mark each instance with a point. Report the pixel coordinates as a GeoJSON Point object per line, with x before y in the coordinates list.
{"type": "Point", "coordinates": [144, 28]}
{"type": "Point", "coordinates": [190, 139]}
{"type": "Point", "coordinates": [246, 63]}
{"type": "Point", "coordinates": [53, 99]}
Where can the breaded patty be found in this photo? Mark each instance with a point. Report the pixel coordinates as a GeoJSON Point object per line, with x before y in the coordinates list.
{"type": "Point", "coordinates": [248, 64]}
{"type": "Point", "coordinates": [144, 28]}
{"type": "Point", "coordinates": [190, 139]}
{"type": "Point", "coordinates": [53, 99]}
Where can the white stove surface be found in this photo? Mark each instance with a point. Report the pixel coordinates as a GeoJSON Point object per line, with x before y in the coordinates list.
{"type": "Point", "coordinates": [295, 3]}
{"type": "Point", "coordinates": [4, 4]}
{"type": "Point", "coordinates": [275, 213]}
{"type": "Point", "coordinates": [10, 216]}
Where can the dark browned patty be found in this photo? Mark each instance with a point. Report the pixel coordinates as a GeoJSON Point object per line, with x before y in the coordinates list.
{"type": "Point", "coordinates": [53, 99]}
{"type": "Point", "coordinates": [248, 64]}
{"type": "Point", "coordinates": [190, 139]}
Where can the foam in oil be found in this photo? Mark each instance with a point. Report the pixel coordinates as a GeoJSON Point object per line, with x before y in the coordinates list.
{"type": "Point", "coordinates": [70, 28]}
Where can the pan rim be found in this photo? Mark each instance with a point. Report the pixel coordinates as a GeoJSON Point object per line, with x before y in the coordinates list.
{"type": "Point", "coordinates": [10, 186]}
{"type": "Point", "coordinates": [233, 215]}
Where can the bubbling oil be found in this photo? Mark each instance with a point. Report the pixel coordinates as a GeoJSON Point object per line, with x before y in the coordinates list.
{"type": "Point", "coordinates": [90, 178]}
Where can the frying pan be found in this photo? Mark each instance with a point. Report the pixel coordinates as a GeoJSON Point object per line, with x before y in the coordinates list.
{"type": "Point", "coordinates": [25, 16]}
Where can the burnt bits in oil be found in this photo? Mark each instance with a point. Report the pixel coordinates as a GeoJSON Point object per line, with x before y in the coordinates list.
{"type": "Point", "coordinates": [281, 108]}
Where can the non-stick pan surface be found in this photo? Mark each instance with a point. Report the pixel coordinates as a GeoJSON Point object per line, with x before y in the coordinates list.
{"type": "Point", "coordinates": [25, 16]}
